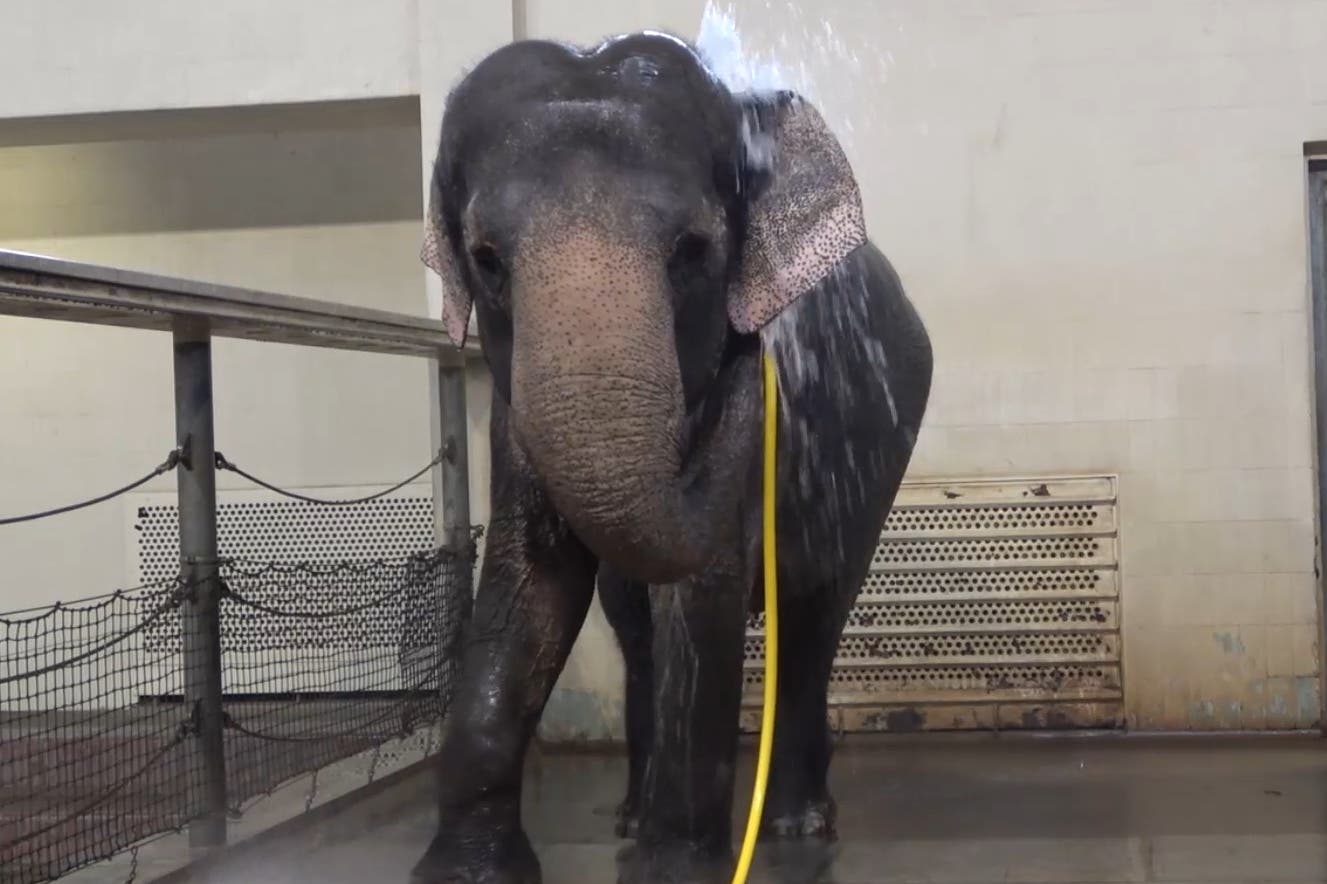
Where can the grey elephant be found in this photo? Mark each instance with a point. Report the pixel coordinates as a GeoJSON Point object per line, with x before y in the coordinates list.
{"type": "Point", "coordinates": [629, 234]}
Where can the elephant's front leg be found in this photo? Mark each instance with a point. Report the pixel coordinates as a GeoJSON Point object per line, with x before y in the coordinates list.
{"type": "Point", "coordinates": [685, 830]}
{"type": "Point", "coordinates": [536, 587]}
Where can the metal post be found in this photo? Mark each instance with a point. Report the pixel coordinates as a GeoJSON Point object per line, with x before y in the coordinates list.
{"type": "Point", "coordinates": [201, 620]}
{"type": "Point", "coordinates": [1317, 234]}
{"type": "Point", "coordinates": [451, 480]}
{"type": "Point", "coordinates": [451, 509]}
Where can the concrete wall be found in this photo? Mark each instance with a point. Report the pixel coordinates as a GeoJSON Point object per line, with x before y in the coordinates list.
{"type": "Point", "coordinates": [328, 212]}
{"type": "Point", "coordinates": [1098, 208]}
{"type": "Point", "coordinates": [454, 35]}
{"type": "Point", "coordinates": [1100, 211]}
{"type": "Point", "coordinates": [72, 56]}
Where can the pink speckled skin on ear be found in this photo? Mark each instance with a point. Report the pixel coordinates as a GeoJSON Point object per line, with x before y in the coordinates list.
{"type": "Point", "coordinates": [437, 255]}
{"type": "Point", "coordinates": [808, 220]}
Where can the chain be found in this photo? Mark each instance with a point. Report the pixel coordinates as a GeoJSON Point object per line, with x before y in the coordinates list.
{"type": "Point", "coordinates": [133, 867]}
{"type": "Point", "coordinates": [171, 602]}
{"type": "Point", "coordinates": [224, 464]}
{"type": "Point", "coordinates": [313, 791]}
{"type": "Point", "coordinates": [241, 599]}
{"type": "Point", "coordinates": [366, 726]}
{"type": "Point", "coordinates": [180, 735]}
{"type": "Point", "coordinates": [171, 462]}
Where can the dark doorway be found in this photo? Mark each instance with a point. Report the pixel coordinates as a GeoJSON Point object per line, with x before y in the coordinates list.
{"type": "Point", "coordinates": [1317, 230]}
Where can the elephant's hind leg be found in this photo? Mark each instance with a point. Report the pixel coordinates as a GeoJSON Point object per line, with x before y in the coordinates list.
{"type": "Point", "coordinates": [687, 802]}
{"type": "Point", "coordinates": [812, 614]}
{"type": "Point", "coordinates": [798, 803]}
{"type": "Point", "coordinates": [626, 605]}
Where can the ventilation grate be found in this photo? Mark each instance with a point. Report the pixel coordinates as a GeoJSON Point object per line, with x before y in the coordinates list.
{"type": "Point", "coordinates": [260, 526]}
{"type": "Point", "coordinates": [1054, 582]}
{"type": "Point", "coordinates": [994, 552]}
{"type": "Point", "coordinates": [988, 602]}
{"type": "Point", "coordinates": [855, 651]}
{"type": "Point", "coordinates": [999, 520]}
{"type": "Point", "coordinates": [1008, 683]}
{"type": "Point", "coordinates": [946, 616]}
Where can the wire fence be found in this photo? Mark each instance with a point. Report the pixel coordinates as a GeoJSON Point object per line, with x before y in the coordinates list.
{"type": "Point", "coordinates": [321, 661]}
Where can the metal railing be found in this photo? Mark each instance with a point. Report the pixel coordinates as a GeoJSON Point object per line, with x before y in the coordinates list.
{"type": "Point", "coordinates": [181, 757]}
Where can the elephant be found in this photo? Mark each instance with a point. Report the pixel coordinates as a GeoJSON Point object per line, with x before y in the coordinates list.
{"type": "Point", "coordinates": [631, 235]}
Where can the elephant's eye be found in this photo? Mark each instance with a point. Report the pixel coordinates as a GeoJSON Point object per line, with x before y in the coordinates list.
{"type": "Point", "coordinates": [490, 266]}
{"type": "Point", "coordinates": [689, 265]}
{"type": "Point", "coordinates": [691, 248]}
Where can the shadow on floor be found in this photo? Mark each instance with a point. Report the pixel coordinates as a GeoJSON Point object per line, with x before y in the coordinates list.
{"type": "Point", "coordinates": [942, 811]}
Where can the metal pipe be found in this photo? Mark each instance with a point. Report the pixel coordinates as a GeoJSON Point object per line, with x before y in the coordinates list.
{"type": "Point", "coordinates": [451, 478]}
{"type": "Point", "coordinates": [1317, 236]}
{"type": "Point", "coordinates": [451, 510]}
{"type": "Point", "coordinates": [41, 287]}
{"type": "Point", "coordinates": [520, 20]}
{"type": "Point", "coordinates": [201, 613]}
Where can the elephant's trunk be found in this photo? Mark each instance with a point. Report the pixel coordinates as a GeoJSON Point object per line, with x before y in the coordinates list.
{"type": "Point", "coordinates": [598, 407]}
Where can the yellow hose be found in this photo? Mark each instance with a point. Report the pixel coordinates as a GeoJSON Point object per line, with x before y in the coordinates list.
{"type": "Point", "coordinates": [771, 629]}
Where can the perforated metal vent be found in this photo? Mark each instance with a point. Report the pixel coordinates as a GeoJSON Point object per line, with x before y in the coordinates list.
{"type": "Point", "coordinates": [260, 526]}
{"type": "Point", "coordinates": [990, 604]}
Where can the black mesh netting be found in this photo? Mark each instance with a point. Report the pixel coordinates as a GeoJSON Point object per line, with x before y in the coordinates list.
{"type": "Point", "coordinates": [320, 661]}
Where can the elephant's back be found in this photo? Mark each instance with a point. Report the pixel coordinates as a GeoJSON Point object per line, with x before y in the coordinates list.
{"type": "Point", "coordinates": [854, 364]}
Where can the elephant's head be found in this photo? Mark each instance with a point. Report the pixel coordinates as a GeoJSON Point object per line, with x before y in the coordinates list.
{"type": "Point", "coordinates": [623, 226]}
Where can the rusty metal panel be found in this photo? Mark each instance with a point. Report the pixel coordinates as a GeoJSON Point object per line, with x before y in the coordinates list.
{"type": "Point", "coordinates": [991, 604]}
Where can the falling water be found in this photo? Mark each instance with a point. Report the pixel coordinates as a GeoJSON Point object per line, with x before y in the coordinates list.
{"type": "Point", "coordinates": [805, 43]}
{"type": "Point", "coordinates": [720, 44]}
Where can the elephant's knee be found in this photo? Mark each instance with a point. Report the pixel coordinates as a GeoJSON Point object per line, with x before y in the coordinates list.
{"type": "Point", "coordinates": [480, 761]}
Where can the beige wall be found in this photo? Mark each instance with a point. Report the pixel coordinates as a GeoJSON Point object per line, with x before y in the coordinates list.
{"type": "Point", "coordinates": [330, 213]}
{"type": "Point", "coordinates": [73, 56]}
{"type": "Point", "coordinates": [454, 35]}
{"type": "Point", "coordinates": [1098, 208]}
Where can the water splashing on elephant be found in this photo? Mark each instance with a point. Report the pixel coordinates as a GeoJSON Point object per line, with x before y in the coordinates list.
{"type": "Point", "coordinates": [813, 348]}
{"type": "Point", "coordinates": [788, 46]}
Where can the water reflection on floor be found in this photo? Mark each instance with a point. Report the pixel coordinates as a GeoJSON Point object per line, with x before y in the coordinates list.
{"type": "Point", "coordinates": [944, 810]}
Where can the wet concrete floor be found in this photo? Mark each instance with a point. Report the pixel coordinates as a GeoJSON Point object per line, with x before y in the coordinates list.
{"type": "Point", "coordinates": [943, 810]}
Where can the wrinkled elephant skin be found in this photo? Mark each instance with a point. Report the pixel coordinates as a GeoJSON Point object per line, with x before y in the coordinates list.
{"type": "Point", "coordinates": [628, 234]}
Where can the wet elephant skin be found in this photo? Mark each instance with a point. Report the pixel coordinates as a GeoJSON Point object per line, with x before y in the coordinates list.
{"type": "Point", "coordinates": [629, 234]}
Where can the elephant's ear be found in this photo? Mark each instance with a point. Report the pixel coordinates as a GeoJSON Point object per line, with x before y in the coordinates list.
{"type": "Point", "coordinates": [439, 256]}
{"type": "Point", "coordinates": [805, 212]}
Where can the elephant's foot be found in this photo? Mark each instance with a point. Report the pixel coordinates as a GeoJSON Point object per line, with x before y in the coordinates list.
{"type": "Point", "coordinates": [672, 864]}
{"type": "Point", "coordinates": [506, 859]}
{"type": "Point", "coordinates": [626, 823]}
{"type": "Point", "coordinates": [813, 819]}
